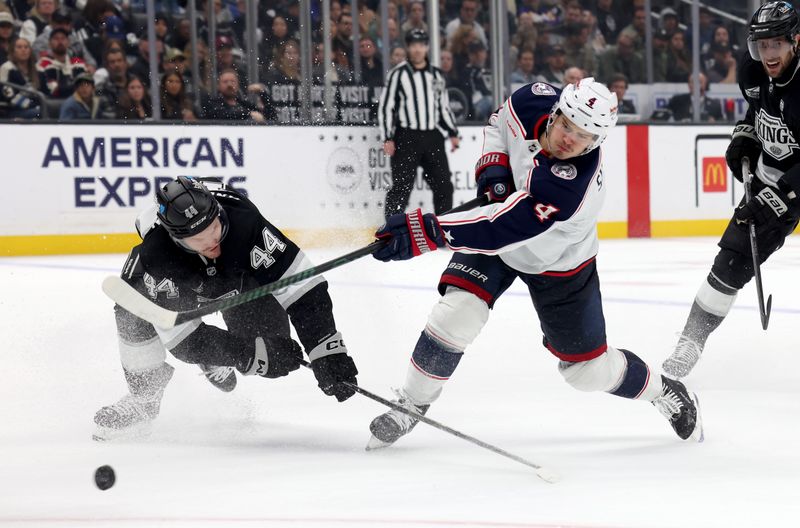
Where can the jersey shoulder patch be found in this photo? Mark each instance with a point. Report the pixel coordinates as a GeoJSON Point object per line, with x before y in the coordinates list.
{"type": "Point", "coordinates": [528, 106]}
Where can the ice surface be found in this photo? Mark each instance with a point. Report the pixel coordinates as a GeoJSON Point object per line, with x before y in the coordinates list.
{"type": "Point", "coordinates": [280, 453]}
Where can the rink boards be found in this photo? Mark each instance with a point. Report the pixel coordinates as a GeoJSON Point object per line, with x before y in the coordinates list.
{"type": "Point", "coordinates": [77, 188]}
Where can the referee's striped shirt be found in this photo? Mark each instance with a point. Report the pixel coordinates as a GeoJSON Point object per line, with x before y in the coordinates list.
{"type": "Point", "coordinates": [416, 100]}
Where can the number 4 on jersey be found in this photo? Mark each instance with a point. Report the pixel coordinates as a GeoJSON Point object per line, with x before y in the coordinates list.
{"type": "Point", "coordinates": [263, 257]}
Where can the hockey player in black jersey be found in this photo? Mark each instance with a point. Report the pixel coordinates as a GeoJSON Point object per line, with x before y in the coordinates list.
{"type": "Point", "coordinates": [201, 245]}
{"type": "Point", "coordinates": [767, 137]}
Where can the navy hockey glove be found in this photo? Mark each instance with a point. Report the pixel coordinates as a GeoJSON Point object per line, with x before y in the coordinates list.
{"type": "Point", "coordinates": [409, 235]}
{"type": "Point", "coordinates": [273, 357]}
{"type": "Point", "coordinates": [744, 144]}
{"type": "Point", "coordinates": [493, 176]}
{"type": "Point", "coordinates": [332, 365]}
{"type": "Point", "coordinates": [768, 207]}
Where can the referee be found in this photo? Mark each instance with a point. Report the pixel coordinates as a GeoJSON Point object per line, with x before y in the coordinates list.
{"type": "Point", "coordinates": [413, 114]}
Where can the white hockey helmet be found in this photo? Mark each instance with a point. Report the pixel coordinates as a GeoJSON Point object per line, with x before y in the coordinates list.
{"type": "Point", "coordinates": [591, 106]}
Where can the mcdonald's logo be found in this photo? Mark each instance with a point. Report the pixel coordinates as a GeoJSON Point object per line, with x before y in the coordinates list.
{"type": "Point", "coordinates": [715, 175]}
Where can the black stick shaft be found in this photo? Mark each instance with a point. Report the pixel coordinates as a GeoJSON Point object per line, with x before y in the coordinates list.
{"type": "Point", "coordinates": [255, 293]}
{"type": "Point", "coordinates": [763, 311]}
{"type": "Point", "coordinates": [437, 425]}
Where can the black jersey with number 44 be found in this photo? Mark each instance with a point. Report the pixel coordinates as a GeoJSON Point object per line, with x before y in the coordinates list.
{"type": "Point", "coordinates": [253, 253]}
{"type": "Point", "coordinates": [774, 111]}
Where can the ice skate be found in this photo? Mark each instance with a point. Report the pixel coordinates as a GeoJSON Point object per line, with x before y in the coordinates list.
{"type": "Point", "coordinates": [681, 408]}
{"type": "Point", "coordinates": [387, 428]}
{"type": "Point", "coordinates": [223, 378]}
{"type": "Point", "coordinates": [132, 415]}
{"type": "Point", "coordinates": [129, 418]}
{"type": "Point", "coordinates": [683, 359]}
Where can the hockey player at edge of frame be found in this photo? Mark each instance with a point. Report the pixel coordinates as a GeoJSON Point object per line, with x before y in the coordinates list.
{"type": "Point", "coordinates": [541, 164]}
{"type": "Point", "coordinates": [767, 137]}
{"type": "Point", "coordinates": [200, 244]}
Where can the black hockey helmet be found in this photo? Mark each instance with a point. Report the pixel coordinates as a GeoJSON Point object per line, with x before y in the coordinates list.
{"type": "Point", "coordinates": [773, 19]}
{"type": "Point", "coordinates": [417, 35]}
{"type": "Point", "coordinates": [186, 207]}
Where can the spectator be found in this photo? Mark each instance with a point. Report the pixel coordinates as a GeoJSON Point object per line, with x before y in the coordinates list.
{"type": "Point", "coordinates": [661, 40]}
{"type": "Point", "coordinates": [553, 72]}
{"type": "Point", "coordinates": [344, 35]}
{"type": "Point", "coordinates": [596, 39]}
{"type": "Point", "coordinates": [90, 29]}
{"type": "Point", "coordinates": [466, 17]}
{"type": "Point", "coordinates": [318, 69]}
{"type": "Point", "coordinates": [336, 11]}
{"type": "Point", "coordinates": [180, 37]}
{"type": "Point", "coordinates": [228, 105]}
{"type": "Point", "coordinates": [141, 66]}
{"type": "Point", "coordinates": [526, 35]}
{"type": "Point", "coordinates": [572, 13]}
{"type": "Point", "coordinates": [478, 82]}
{"type": "Point", "coordinates": [135, 103]}
{"type": "Point", "coordinates": [286, 69]}
{"type": "Point", "coordinates": [721, 67]}
{"type": "Point", "coordinates": [395, 39]}
{"type": "Point", "coordinates": [636, 29]}
{"type": "Point", "coordinates": [38, 18]}
{"type": "Point", "coordinates": [162, 26]}
{"type": "Point", "coordinates": [707, 25]}
{"type": "Point", "coordinates": [341, 61]}
{"type": "Point", "coordinates": [723, 36]}
{"type": "Point", "coordinates": [681, 105]}
{"type": "Point", "coordinates": [446, 64]}
{"type": "Point", "coordinates": [623, 59]}
{"type": "Point", "coordinates": [6, 35]}
{"type": "Point", "coordinates": [175, 105]}
{"type": "Point", "coordinates": [398, 55]}
{"type": "Point", "coordinates": [59, 68]}
{"type": "Point", "coordinates": [668, 20]}
{"type": "Point", "coordinates": [371, 66]}
{"type": "Point", "coordinates": [578, 51]}
{"type": "Point", "coordinates": [609, 19]}
{"type": "Point", "coordinates": [175, 60]}
{"type": "Point", "coordinates": [572, 75]}
{"type": "Point", "coordinates": [20, 69]}
{"type": "Point", "coordinates": [415, 19]}
{"type": "Point", "coordinates": [279, 32]}
{"type": "Point", "coordinates": [112, 80]}
{"type": "Point", "coordinates": [458, 43]}
{"type": "Point", "coordinates": [679, 63]}
{"type": "Point", "coordinates": [83, 104]}
{"type": "Point", "coordinates": [526, 64]}
{"type": "Point", "coordinates": [63, 19]}
{"type": "Point", "coordinates": [619, 85]}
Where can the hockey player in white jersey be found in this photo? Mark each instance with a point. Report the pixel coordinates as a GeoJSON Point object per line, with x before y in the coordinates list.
{"type": "Point", "coordinates": [541, 164]}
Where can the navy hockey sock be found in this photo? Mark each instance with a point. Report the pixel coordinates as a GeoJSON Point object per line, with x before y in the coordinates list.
{"type": "Point", "coordinates": [432, 364]}
{"type": "Point", "coordinates": [636, 380]}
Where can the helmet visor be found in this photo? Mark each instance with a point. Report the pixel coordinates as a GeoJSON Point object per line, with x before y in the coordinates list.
{"type": "Point", "coordinates": [769, 48]}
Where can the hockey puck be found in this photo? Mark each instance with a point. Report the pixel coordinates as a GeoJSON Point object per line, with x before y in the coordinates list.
{"type": "Point", "coordinates": [104, 477]}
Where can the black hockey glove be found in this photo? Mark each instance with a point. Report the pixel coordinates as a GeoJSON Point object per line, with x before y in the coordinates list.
{"type": "Point", "coordinates": [770, 206]}
{"type": "Point", "coordinates": [744, 144]}
{"type": "Point", "coordinates": [332, 365]}
{"type": "Point", "coordinates": [273, 357]}
{"type": "Point", "coordinates": [409, 235]}
{"type": "Point", "coordinates": [493, 176]}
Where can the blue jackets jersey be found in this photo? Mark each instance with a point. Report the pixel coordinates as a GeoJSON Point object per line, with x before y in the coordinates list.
{"type": "Point", "coordinates": [550, 222]}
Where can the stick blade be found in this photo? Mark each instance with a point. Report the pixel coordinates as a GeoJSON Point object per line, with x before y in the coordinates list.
{"type": "Point", "coordinates": [767, 311]}
{"type": "Point", "coordinates": [126, 296]}
{"type": "Point", "coordinates": [548, 475]}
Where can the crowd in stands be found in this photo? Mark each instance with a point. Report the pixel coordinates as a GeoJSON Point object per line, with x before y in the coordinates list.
{"type": "Point", "coordinates": [91, 57]}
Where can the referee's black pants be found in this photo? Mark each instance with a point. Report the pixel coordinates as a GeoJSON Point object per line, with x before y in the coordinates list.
{"type": "Point", "coordinates": [416, 148]}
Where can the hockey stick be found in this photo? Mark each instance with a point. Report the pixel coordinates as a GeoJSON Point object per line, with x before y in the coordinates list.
{"type": "Point", "coordinates": [764, 311]}
{"type": "Point", "coordinates": [542, 472]}
{"type": "Point", "coordinates": [129, 298]}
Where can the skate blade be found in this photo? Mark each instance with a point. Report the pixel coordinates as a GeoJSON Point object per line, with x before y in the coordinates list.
{"type": "Point", "coordinates": [374, 444]}
{"type": "Point", "coordinates": [136, 432]}
{"type": "Point", "coordinates": [697, 435]}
